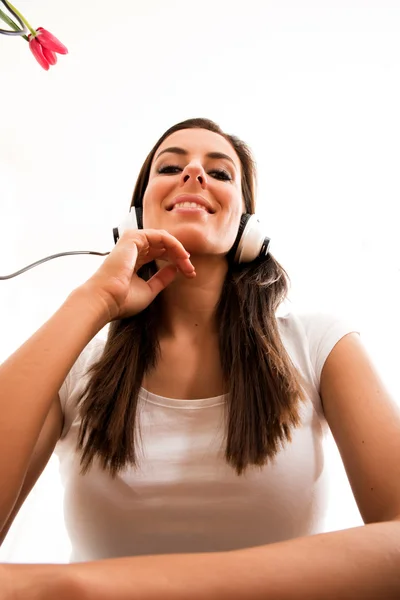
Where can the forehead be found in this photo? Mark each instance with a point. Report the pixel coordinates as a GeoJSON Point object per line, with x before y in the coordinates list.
{"type": "Point", "coordinates": [198, 142]}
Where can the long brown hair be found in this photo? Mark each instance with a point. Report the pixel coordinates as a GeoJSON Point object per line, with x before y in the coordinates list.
{"type": "Point", "coordinates": [265, 387]}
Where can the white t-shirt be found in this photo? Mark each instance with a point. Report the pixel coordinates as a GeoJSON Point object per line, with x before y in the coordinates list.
{"type": "Point", "coordinates": [184, 497]}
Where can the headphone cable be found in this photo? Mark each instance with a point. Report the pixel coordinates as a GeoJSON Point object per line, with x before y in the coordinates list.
{"type": "Point", "coordinates": [39, 262]}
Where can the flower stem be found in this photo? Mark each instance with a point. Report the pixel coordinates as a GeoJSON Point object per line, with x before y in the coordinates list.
{"type": "Point", "coordinates": [11, 23]}
{"type": "Point", "coordinates": [29, 26]}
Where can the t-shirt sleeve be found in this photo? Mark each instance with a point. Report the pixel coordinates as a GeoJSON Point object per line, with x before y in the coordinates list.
{"type": "Point", "coordinates": [76, 380]}
{"type": "Point", "coordinates": [323, 331]}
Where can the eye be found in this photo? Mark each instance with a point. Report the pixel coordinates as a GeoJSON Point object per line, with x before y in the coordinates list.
{"type": "Point", "coordinates": [168, 169]}
{"type": "Point", "coordinates": [220, 174]}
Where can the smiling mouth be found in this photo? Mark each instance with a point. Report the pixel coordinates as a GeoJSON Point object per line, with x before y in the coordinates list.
{"type": "Point", "coordinates": [189, 206]}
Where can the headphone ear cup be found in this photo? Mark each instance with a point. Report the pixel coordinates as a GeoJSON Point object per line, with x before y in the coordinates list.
{"type": "Point", "coordinates": [134, 220]}
{"type": "Point", "coordinates": [233, 251]}
{"type": "Point", "coordinates": [250, 242]}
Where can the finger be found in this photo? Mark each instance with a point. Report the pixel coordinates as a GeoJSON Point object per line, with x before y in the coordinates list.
{"type": "Point", "coordinates": [154, 243]}
{"type": "Point", "coordinates": [162, 239]}
{"type": "Point", "coordinates": [183, 264]}
{"type": "Point", "coordinates": [153, 254]}
{"type": "Point", "coordinates": [162, 254]}
{"type": "Point", "coordinates": [161, 279]}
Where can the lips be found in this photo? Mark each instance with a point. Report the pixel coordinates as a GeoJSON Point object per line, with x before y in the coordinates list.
{"type": "Point", "coordinates": [191, 198]}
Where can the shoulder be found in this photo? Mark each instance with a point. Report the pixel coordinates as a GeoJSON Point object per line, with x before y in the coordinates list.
{"type": "Point", "coordinates": [315, 333]}
{"type": "Point", "coordinates": [315, 325]}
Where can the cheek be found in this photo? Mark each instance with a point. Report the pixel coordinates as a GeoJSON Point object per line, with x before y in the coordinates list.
{"type": "Point", "coordinates": [234, 199]}
{"type": "Point", "coordinates": [237, 210]}
{"type": "Point", "coordinates": [158, 189]}
{"type": "Point", "coordinates": [152, 200]}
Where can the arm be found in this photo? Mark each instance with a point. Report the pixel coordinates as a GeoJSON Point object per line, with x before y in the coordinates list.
{"type": "Point", "coordinates": [29, 382]}
{"type": "Point", "coordinates": [44, 448]}
{"type": "Point", "coordinates": [355, 564]}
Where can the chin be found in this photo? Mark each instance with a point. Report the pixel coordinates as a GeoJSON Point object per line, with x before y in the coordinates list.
{"type": "Point", "coordinates": [195, 240]}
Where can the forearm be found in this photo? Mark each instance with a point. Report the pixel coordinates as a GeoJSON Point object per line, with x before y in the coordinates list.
{"type": "Point", "coordinates": [29, 381]}
{"type": "Point", "coordinates": [361, 563]}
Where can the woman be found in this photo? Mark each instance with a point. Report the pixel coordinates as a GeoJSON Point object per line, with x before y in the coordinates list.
{"type": "Point", "coordinates": [194, 434]}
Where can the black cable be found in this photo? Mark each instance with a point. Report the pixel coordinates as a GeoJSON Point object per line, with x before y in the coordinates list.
{"type": "Point", "coordinates": [39, 262]}
{"type": "Point", "coordinates": [24, 30]}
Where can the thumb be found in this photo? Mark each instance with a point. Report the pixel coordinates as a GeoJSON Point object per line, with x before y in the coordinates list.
{"type": "Point", "coordinates": [161, 279]}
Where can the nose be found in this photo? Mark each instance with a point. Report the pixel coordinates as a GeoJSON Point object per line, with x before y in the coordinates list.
{"type": "Point", "coordinates": [194, 173]}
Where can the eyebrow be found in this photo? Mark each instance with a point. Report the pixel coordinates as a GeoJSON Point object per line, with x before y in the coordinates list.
{"type": "Point", "coordinates": [183, 152]}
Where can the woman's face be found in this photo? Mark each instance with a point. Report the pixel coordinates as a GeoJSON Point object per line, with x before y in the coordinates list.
{"type": "Point", "coordinates": [201, 167]}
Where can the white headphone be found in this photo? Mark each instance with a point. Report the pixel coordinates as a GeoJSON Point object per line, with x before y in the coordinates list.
{"type": "Point", "coordinates": [250, 244]}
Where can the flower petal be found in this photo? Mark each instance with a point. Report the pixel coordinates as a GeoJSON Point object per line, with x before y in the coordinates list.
{"type": "Point", "coordinates": [37, 52]}
{"type": "Point", "coordinates": [48, 40]}
{"type": "Point", "coordinates": [49, 55]}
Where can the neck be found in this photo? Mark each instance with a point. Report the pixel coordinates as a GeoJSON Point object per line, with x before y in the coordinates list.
{"type": "Point", "coordinates": [189, 304]}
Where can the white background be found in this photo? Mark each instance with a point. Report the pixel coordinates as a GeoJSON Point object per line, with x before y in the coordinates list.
{"type": "Point", "coordinates": [313, 88]}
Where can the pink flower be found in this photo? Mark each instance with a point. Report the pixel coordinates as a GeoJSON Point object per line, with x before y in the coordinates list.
{"type": "Point", "coordinates": [44, 47]}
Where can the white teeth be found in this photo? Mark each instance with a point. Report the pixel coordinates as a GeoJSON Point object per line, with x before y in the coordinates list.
{"type": "Point", "coordinates": [190, 205]}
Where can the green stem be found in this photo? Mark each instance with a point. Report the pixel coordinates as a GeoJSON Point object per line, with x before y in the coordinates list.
{"type": "Point", "coordinates": [29, 26]}
{"type": "Point", "coordinates": [11, 23]}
